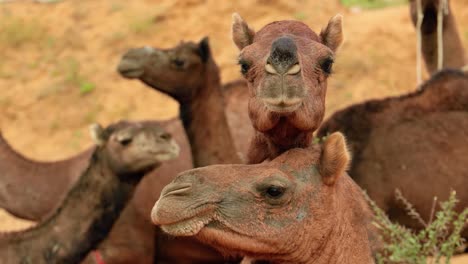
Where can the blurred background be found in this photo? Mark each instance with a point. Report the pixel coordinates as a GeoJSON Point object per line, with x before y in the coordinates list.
{"type": "Point", "coordinates": [58, 60]}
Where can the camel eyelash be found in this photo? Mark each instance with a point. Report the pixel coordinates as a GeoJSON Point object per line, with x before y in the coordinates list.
{"type": "Point", "coordinates": [245, 66]}
{"type": "Point", "coordinates": [326, 65]}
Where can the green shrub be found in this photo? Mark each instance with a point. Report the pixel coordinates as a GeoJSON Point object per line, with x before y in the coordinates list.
{"type": "Point", "coordinates": [439, 239]}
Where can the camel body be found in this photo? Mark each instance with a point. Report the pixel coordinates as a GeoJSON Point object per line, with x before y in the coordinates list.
{"type": "Point", "coordinates": [417, 143]}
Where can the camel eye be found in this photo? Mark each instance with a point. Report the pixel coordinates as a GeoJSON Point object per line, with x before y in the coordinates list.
{"type": "Point", "coordinates": [326, 65]}
{"type": "Point", "coordinates": [125, 141]}
{"type": "Point", "coordinates": [166, 136]}
{"type": "Point", "coordinates": [179, 63]}
{"type": "Point", "coordinates": [275, 192]}
{"type": "Point", "coordinates": [244, 67]}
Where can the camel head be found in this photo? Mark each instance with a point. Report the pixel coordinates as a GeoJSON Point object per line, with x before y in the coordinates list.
{"type": "Point", "coordinates": [287, 64]}
{"type": "Point", "coordinates": [178, 71]}
{"type": "Point", "coordinates": [134, 147]}
{"type": "Point", "coordinates": [280, 210]}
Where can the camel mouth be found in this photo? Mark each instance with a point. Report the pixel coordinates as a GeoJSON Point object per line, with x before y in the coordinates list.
{"type": "Point", "coordinates": [283, 108]}
{"type": "Point", "coordinates": [188, 227]}
{"type": "Point", "coordinates": [183, 226]}
{"type": "Point", "coordinates": [129, 69]}
{"type": "Point", "coordinates": [165, 155]}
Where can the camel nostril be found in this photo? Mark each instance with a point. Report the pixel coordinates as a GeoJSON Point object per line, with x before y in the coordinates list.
{"type": "Point", "coordinates": [177, 189]}
{"type": "Point", "coordinates": [283, 55]}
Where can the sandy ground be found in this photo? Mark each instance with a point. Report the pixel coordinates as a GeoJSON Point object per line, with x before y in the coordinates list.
{"type": "Point", "coordinates": [50, 53]}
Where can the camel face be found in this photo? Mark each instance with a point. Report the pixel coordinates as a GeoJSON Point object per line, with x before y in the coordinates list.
{"type": "Point", "coordinates": [287, 65]}
{"type": "Point", "coordinates": [173, 71]}
{"type": "Point", "coordinates": [135, 147]}
{"type": "Point", "coordinates": [260, 210]}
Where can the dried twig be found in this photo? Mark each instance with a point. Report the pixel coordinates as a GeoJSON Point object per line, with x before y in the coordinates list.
{"type": "Point", "coordinates": [431, 216]}
{"type": "Point", "coordinates": [409, 207]}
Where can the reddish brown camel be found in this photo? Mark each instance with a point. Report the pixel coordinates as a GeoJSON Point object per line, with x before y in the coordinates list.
{"type": "Point", "coordinates": [453, 51]}
{"type": "Point", "coordinates": [300, 207]}
{"type": "Point", "coordinates": [125, 152]}
{"type": "Point", "coordinates": [286, 66]}
{"type": "Point", "coordinates": [416, 142]}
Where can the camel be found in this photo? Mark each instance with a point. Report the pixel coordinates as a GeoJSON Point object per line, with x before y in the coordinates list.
{"type": "Point", "coordinates": [416, 142]}
{"type": "Point", "coordinates": [28, 201]}
{"type": "Point", "coordinates": [189, 74]}
{"type": "Point", "coordinates": [134, 222]}
{"type": "Point", "coordinates": [453, 51]}
{"type": "Point", "coordinates": [286, 66]}
{"type": "Point", "coordinates": [301, 207]}
{"type": "Point", "coordinates": [125, 152]}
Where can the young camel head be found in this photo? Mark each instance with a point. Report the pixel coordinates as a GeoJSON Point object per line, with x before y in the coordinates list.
{"type": "Point", "coordinates": [283, 210]}
{"type": "Point", "coordinates": [178, 72]}
{"type": "Point", "coordinates": [130, 148]}
{"type": "Point", "coordinates": [287, 65]}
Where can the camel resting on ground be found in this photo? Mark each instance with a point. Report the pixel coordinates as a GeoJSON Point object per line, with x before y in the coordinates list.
{"type": "Point", "coordinates": [299, 208]}
{"type": "Point", "coordinates": [125, 152]}
{"type": "Point", "coordinates": [416, 142]}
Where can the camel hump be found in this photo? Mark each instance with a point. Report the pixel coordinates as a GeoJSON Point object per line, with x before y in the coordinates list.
{"type": "Point", "coordinates": [335, 158]}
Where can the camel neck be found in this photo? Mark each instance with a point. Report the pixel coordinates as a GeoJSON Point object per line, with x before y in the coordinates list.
{"type": "Point", "coordinates": [348, 240]}
{"type": "Point", "coordinates": [205, 123]}
{"type": "Point", "coordinates": [79, 224]}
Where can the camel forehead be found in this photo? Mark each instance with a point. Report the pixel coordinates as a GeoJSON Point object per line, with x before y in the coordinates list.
{"type": "Point", "coordinates": [293, 28]}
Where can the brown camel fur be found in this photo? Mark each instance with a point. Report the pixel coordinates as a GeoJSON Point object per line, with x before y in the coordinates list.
{"type": "Point", "coordinates": [453, 51]}
{"type": "Point", "coordinates": [286, 66]}
{"type": "Point", "coordinates": [189, 74]}
{"type": "Point", "coordinates": [417, 143]}
{"type": "Point", "coordinates": [299, 208]}
{"type": "Point", "coordinates": [24, 182]}
{"type": "Point", "coordinates": [125, 152]}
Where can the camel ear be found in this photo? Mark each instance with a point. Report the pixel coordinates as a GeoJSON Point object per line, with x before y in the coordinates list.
{"type": "Point", "coordinates": [332, 35]}
{"type": "Point", "coordinates": [242, 35]}
{"type": "Point", "coordinates": [204, 49]}
{"type": "Point", "coordinates": [97, 134]}
{"type": "Point", "coordinates": [335, 158]}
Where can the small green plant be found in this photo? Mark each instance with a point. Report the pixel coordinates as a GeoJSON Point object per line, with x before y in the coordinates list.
{"type": "Point", "coordinates": [86, 87]}
{"type": "Point", "coordinates": [301, 16]}
{"type": "Point", "coordinates": [372, 4]}
{"type": "Point", "coordinates": [439, 239]}
{"type": "Point", "coordinates": [75, 78]}
{"type": "Point", "coordinates": [319, 140]}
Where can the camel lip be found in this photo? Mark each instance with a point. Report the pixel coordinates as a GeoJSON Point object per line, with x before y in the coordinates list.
{"type": "Point", "coordinates": [188, 226]}
{"type": "Point", "coordinates": [283, 108]}
{"type": "Point", "coordinates": [130, 72]}
{"type": "Point", "coordinates": [202, 211]}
